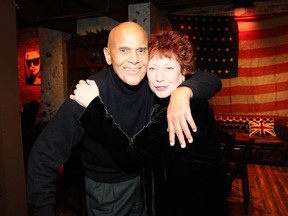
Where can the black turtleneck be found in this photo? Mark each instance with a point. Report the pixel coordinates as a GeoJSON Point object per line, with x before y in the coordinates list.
{"type": "Point", "coordinates": [131, 107]}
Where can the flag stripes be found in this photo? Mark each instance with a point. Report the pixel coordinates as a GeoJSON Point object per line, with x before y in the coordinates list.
{"type": "Point", "coordinates": [262, 84]}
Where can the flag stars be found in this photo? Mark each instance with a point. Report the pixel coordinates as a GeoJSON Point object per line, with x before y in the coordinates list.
{"type": "Point", "coordinates": [213, 39]}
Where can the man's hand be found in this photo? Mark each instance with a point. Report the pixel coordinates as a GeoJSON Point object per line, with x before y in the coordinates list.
{"type": "Point", "coordinates": [85, 92]}
{"type": "Point", "coordinates": [179, 116]}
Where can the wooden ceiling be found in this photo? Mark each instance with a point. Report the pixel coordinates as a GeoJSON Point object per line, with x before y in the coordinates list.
{"type": "Point", "coordinates": [59, 12]}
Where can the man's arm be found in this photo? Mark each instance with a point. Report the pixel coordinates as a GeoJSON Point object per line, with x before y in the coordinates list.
{"type": "Point", "coordinates": [200, 85]}
{"type": "Point", "coordinates": [204, 85]}
{"type": "Point", "coordinates": [51, 149]}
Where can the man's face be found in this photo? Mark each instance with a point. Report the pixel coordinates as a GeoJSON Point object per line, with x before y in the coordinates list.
{"type": "Point", "coordinates": [128, 53]}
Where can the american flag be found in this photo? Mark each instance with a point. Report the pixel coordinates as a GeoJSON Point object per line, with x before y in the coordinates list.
{"type": "Point", "coordinates": [215, 41]}
{"type": "Point", "coordinates": [262, 84]}
{"type": "Point", "coordinates": [260, 128]}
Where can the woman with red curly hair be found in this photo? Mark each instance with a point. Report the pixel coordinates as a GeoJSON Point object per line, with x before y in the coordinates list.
{"type": "Point", "coordinates": [177, 181]}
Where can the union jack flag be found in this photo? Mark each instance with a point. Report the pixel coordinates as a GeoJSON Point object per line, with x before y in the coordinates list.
{"type": "Point", "coordinates": [261, 128]}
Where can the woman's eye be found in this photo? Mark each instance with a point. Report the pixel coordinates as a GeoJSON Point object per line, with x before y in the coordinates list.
{"type": "Point", "coordinates": [170, 68]}
{"type": "Point", "coordinates": [151, 68]}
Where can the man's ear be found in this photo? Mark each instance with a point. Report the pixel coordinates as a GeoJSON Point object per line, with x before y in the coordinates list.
{"type": "Point", "coordinates": [107, 55]}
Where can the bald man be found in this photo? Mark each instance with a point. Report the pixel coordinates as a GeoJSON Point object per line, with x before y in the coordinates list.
{"type": "Point", "coordinates": [110, 189]}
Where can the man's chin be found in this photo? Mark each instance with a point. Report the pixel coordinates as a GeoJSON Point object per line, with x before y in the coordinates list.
{"type": "Point", "coordinates": [133, 82]}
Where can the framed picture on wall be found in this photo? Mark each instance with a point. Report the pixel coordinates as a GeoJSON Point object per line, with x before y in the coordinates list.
{"type": "Point", "coordinates": [32, 68]}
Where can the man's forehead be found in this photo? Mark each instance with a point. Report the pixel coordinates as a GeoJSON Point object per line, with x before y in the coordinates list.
{"type": "Point", "coordinates": [131, 43]}
{"type": "Point", "coordinates": [132, 47]}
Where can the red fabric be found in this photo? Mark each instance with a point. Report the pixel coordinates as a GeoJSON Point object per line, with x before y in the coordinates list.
{"type": "Point", "coordinates": [261, 87]}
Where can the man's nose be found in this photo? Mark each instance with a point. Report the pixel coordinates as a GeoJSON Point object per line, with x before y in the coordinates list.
{"type": "Point", "coordinates": [133, 57]}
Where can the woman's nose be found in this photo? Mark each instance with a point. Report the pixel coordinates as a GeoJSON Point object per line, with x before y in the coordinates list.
{"type": "Point", "coordinates": [159, 76]}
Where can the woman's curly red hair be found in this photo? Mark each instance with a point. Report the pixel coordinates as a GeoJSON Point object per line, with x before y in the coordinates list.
{"type": "Point", "coordinates": [173, 43]}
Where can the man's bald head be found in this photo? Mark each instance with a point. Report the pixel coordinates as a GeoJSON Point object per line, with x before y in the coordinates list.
{"type": "Point", "coordinates": [126, 28]}
{"type": "Point", "coordinates": [127, 52]}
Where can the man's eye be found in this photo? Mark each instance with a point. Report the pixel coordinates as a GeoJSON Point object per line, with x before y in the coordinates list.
{"type": "Point", "coordinates": [142, 50]}
{"type": "Point", "coordinates": [123, 50]}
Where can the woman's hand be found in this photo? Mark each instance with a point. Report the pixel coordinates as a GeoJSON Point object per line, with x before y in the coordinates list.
{"type": "Point", "coordinates": [179, 116]}
{"type": "Point", "coordinates": [85, 92]}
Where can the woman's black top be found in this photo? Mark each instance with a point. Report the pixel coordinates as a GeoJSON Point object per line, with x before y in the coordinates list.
{"type": "Point", "coordinates": [150, 148]}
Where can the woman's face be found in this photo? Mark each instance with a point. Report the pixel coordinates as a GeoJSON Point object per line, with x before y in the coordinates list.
{"type": "Point", "coordinates": [164, 75]}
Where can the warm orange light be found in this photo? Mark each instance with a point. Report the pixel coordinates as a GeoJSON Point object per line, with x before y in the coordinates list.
{"type": "Point", "coordinates": [239, 11]}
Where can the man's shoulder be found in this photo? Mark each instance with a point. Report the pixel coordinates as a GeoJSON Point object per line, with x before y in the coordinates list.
{"type": "Point", "coordinates": [102, 74]}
